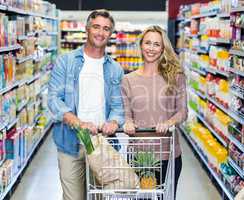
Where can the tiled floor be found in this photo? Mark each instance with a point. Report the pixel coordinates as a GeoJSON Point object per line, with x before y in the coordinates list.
{"type": "Point", "coordinates": [41, 179]}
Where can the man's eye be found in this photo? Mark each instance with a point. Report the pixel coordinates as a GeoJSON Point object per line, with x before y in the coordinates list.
{"type": "Point", "coordinates": [107, 29]}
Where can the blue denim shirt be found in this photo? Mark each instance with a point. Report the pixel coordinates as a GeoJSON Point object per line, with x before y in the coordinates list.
{"type": "Point", "coordinates": [63, 96]}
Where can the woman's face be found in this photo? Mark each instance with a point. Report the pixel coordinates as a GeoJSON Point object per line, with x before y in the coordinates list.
{"type": "Point", "coordinates": [152, 47]}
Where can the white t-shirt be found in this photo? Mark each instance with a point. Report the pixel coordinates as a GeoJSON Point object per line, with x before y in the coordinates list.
{"type": "Point", "coordinates": [91, 91]}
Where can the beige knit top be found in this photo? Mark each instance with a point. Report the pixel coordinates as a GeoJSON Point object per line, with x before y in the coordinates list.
{"type": "Point", "coordinates": [146, 103]}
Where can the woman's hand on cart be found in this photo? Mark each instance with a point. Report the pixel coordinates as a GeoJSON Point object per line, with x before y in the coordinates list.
{"type": "Point", "coordinates": [129, 128]}
{"type": "Point", "coordinates": [163, 127]}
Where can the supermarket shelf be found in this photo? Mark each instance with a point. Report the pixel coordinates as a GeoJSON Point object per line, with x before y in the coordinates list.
{"type": "Point", "coordinates": [22, 105]}
{"type": "Point", "coordinates": [223, 15]}
{"type": "Point", "coordinates": [219, 41]}
{"type": "Point", "coordinates": [198, 71]}
{"type": "Point", "coordinates": [236, 142]}
{"type": "Point", "coordinates": [212, 172]}
{"type": "Point", "coordinates": [230, 113]}
{"type": "Point", "coordinates": [2, 7]}
{"type": "Point", "coordinates": [7, 89]}
{"type": "Point", "coordinates": [10, 48]}
{"type": "Point", "coordinates": [235, 71]}
{"type": "Point", "coordinates": [12, 123]}
{"type": "Point", "coordinates": [73, 42]}
{"type": "Point", "coordinates": [35, 77]}
{"type": "Point", "coordinates": [22, 60]}
{"type": "Point", "coordinates": [209, 14]}
{"type": "Point", "coordinates": [237, 93]}
{"type": "Point", "coordinates": [22, 37]}
{"type": "Point", "coordinates": [180, 19]}
{"type": "Point", "coordinates": [43, 88]}
{"type": "Point", "coordinates": [236, 52]}
{"type": "Point", "coordinates": [3, 125]}
{"type": "Point", "coordinates": [73, 30]}
{"type": "Point", "coordinates": [202, 51]}
{"type": "Point", "coordinates": [23, 12]}
{"type": "Point", "coordinates": [198, 93]}
{"type": "Point", "coordinates": [186, 20]}
{"type": "Point", "coordinates": [15, 178]}
{"type": "Point", "coordinates": [237, 9]}
{"type": "Point", "coordinates": [52, 33]}
{"type": "Point", "coordinates": [216, 71]}
{"type": "Point", "coordinates": [51, 49]}
{"type": "Point", "coordinates": [236, 167]}
{"type": "Point", "coordinates": [220, 139]}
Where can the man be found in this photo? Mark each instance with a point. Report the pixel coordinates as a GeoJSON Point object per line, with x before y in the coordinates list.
{"type": "Point", "coordinates": [84, 90]}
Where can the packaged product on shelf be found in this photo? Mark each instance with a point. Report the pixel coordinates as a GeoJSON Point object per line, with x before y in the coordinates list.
{"type": "Point", "coordinates": [232, 181]}
{"type": "Point", "coordinates": [9, 69]}
{"type": "Point", "coordinates": [20, 25]}
{"type": "Point", "coordinates": [237, 3]}
{"type": "Point", "coordinates": [9, 106]}
{"type": "Point", "coordinates": [215, 153]}
{"type": "Point", "coordinates": [237, 131]}
{"type": "Point", "coordinates": [237, 105]}
{"type": "Point", "coordinates": [22, 116]}
{"type": "Point", "coordinates": [195, 9]}
{"type": "Point", "coordinates": [12, 149]}
{"type": "Point", "coordinates": [2, 145]}
{"type": "Point", "coordinates": [31, 114]}
{"type": "Point", "coordinates": [236, 155]}
{"type": "Point", "coordinates": [2, 73]}
{"type": "Point", "coordinates": [4, 26]}
{"type": "Point", "coordinates": [1, 180]}
{"type": "Point", "coordinates": [237, 63]}
{"type": "Point", "coordinates": [28, 134]}
{"type": "Point", "coordinates": [29, 25]}
{"type": "Point", "coordinates": [20, 96]}
{"type": "Point", "coordinates": [8, 174]}
{"type": "Point", "coordinates": [226, 6]}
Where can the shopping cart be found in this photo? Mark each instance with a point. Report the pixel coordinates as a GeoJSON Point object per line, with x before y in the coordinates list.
{"type": "Point", "coordinates": [133, 151]}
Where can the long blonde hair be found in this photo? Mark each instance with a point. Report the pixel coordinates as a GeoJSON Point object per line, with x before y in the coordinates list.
{"type": "Point", "coordinates": [169, 65]}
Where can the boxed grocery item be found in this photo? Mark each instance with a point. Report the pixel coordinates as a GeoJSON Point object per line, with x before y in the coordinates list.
{"type": "Point", "coordinates": [12, 149]}
{"type": "Point", "coordinates": [7, 174]}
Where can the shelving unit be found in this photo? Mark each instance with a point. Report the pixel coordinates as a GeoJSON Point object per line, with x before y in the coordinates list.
{"type": "Point", "coordinates": [199, 60]}
{"type": "Point", "coordinates": [28, 159]}
{"type": "Point", "coordinates": [28, 61]}
{"type": "Point", "coordinates": [202, 158]}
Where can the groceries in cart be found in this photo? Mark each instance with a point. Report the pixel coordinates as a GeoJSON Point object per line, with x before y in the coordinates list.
{"type": "Point", "coordinates": [146, 166]}
{"type": "Point", "coordinates": [100, 155]}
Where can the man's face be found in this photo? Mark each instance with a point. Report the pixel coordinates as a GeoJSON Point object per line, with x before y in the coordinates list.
{"type": "Point", "coordinates": [99, 32]}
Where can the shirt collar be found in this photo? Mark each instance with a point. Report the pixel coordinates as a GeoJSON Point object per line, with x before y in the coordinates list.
{"type": "Point", "coordinates": [80, 53]}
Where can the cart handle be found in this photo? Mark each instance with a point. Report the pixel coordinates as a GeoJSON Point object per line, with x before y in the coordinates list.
{"type": "Point", "coordinates": [141, 130]}
{"type": "Point", "coordinates": [138, 130]}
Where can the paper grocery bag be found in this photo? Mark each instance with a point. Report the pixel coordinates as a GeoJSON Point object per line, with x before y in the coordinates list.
{"type": "Point", "coordinates": [109, 167]}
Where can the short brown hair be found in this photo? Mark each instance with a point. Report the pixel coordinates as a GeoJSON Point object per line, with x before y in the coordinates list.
{"type": "Point", "coordinates": [103, 13]}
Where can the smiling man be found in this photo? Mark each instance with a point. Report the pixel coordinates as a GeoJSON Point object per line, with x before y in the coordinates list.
{"type": "Point", "coordinates": [84, 90]}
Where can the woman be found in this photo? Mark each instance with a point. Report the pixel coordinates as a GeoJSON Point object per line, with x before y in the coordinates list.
{"type": "Point", "coordinates": [155, 95]}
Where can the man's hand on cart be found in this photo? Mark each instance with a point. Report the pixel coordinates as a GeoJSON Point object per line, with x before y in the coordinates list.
{"type": "Point", "coordinates": [109, 128]}
{"type": "Point", "coordinates": [163, 127]}
{"type": "Point", "coordinates": [73, 121]}
{"type": "Point", "coordinates": [90, 126]}
{"type": "Point", "coordinates": [130, 128]}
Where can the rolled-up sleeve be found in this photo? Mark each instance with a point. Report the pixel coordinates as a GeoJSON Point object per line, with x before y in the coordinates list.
{"type": "Point", "coordinates": [56, 90]}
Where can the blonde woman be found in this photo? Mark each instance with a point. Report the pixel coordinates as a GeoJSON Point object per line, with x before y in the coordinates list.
{"type": "Point", "coordinates": [155, 96]}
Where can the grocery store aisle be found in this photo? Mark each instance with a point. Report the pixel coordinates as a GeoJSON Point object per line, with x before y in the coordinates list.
{"type": "Point", "coordinates": [41, 178]}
